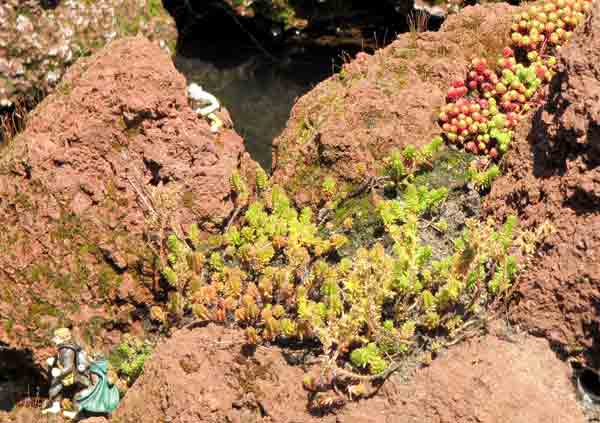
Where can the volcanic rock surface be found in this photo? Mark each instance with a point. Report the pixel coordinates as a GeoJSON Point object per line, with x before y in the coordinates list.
{"type": "Point", "coordinates": [205, 375]}
{"type": "Point", "coordinates": [348, 123]}
{"type": "Point", "coordinates": [552, 177]}
{"type": "Point", "coordinates": [109, 163]}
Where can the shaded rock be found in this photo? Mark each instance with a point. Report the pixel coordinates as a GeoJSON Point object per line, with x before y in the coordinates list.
{"type": "Point", "coordinates": [38, 42]}
{"type": "Point", "coordinates": [203, 375]}
{"type": "Point", "coordinates": [108, 164]}
{"type": "Point", "coordinates": [348, 123]}
{"type": "Point", "coordinates": [553, 178]}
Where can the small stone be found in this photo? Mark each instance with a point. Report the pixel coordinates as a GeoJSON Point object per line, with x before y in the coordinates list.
{"type": "Point", "coordinates": [20, 70]}
{"type": "Point", "coordinates": [52, 77]}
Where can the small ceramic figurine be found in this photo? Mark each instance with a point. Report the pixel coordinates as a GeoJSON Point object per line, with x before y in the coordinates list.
{"type": "Point", "coordinates": [212, 105]}
{"type": "Point", "coordinates": [71, 367]}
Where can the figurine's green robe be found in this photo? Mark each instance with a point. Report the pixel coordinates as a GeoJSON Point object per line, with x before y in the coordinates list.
{"type": "Point", "coordinates": [102, 398]}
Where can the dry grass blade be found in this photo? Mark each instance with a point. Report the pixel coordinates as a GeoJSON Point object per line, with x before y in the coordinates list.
{"type": "Point", "coordinates": [13, 122]}
{"type": "Point", "coordinates": [418, 21]}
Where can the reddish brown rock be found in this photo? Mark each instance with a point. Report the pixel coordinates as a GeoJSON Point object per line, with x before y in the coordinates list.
{"type": "Point", "coordinates": [487, 380]}
{"type": "Point", "coordinates": [32, 415]}
{"type": "Point", "coordinates": [114, 152]}
{"type": "Point", "coordinates": [203, 375]}
{"type": "Point", "coordinates": [348, 123]}
{"type": "Point", "coordinates": [553, 177]}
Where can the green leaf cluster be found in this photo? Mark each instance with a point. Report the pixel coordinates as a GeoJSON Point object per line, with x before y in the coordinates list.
{"type": "Point", "coordinates": [280, 276]}
{"type": "Point", "coordinates": [239, 187]}
{"type": "Point", "coordinates": [503, 137]}
{"type": "Point", "coordinates": [369, 357]}
{"type": "Point", "coordinates": [401, 164]}
{"type": "Point", "coordinates": [482, 179]}
{"type": "Point", "coordinates": [128, 358]}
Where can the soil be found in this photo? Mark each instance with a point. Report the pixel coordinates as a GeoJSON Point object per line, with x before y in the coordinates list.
{"type": "Point", "coordinates": [110, 161]}
{"type": "Point", "coordinates": [348, 123]}
{"type": "Point", "coordinates": [552, 177]}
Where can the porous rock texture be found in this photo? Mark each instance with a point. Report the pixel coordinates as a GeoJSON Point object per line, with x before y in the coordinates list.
{"type": "Point", "coordinates": [552, 176]}
{"type": "Point", "coordinates": [106, 163]}
{"type": "Point", "coordinates": [348, 123]}
{"type": "Point", "coordinates": [204, 375]}
{"type": "Point", "coordinates": [39, 39]}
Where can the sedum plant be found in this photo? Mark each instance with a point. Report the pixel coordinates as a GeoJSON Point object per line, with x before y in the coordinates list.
{"type": "Point", "coordinates": [403, 164]}
{"type": "Point", "coordinates": [483, 108]}
{"type": "Point", "coordinates": [482, 179]}
{"type": "Point", "coordinates": [128, 358]}
{"type": "Point", "coordinates": [279, 276]}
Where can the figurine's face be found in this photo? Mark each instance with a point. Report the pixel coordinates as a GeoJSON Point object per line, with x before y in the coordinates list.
{"type": "Point", "coordinates": [57, 340]}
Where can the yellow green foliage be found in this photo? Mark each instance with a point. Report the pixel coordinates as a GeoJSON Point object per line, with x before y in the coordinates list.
{"type": "Point", "coordinates": [262, 179]}
{"type": "Point", "coordinates": [239, 187]}
{"type": "Point", "coordinates": [482, 179]}
{"type": "Point", "coordinates": [403, 164]}
{"type": "Point", "coordinates": [128, 358]}
{"type": "Point", "coordinates": [369, 357]}
{"type": "Point", "coordinates": [278, 275]}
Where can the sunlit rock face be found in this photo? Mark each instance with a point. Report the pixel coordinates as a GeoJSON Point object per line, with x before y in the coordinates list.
{"type": "Point", "coordinates": [82, 190]}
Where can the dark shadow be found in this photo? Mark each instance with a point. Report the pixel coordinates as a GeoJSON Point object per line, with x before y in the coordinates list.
{"type": "Point", "coordinates": [13, 119]}
{"type": "Point", "coordinates": [378, 21]}
{"type": "Point", "coordinates": [153, 168]}
{"type": "Point", "coordinates": [258, 69]}
{"type": "Point", "coordinates": [583, 202]}
{"type": "Point", "coordinates": [552, 151]}
{"type": "Point", "coordinates": [591, 330]}
{"type": "Point", "coordinates": [589, 382]}
{"type": "Point", "coordinates": [548, 159]}
{"type": "Point", "coordinates": [49, 4]}
{"type": "Point", "coordinates": [248, 350]}
{"type": "Point", "coordinates": [20, 377]}
{"type": "Point", "coordinates": [593, 135]}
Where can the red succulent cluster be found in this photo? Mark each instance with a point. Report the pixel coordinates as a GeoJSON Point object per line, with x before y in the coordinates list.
{"type": "Point", "coordinates": [552, 23]}
{"type": "Point", "coordinates": [483, 108]}
{"type": "Point", "coordinates": [481, 78]}
{"type": "Point", "coordinates": [457, 91]}
{"type": "Point", "coordinates": [468, 122]}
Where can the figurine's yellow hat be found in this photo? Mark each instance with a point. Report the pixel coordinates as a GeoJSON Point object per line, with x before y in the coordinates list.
{"type": "Point", "coordinates": [62, 333]}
